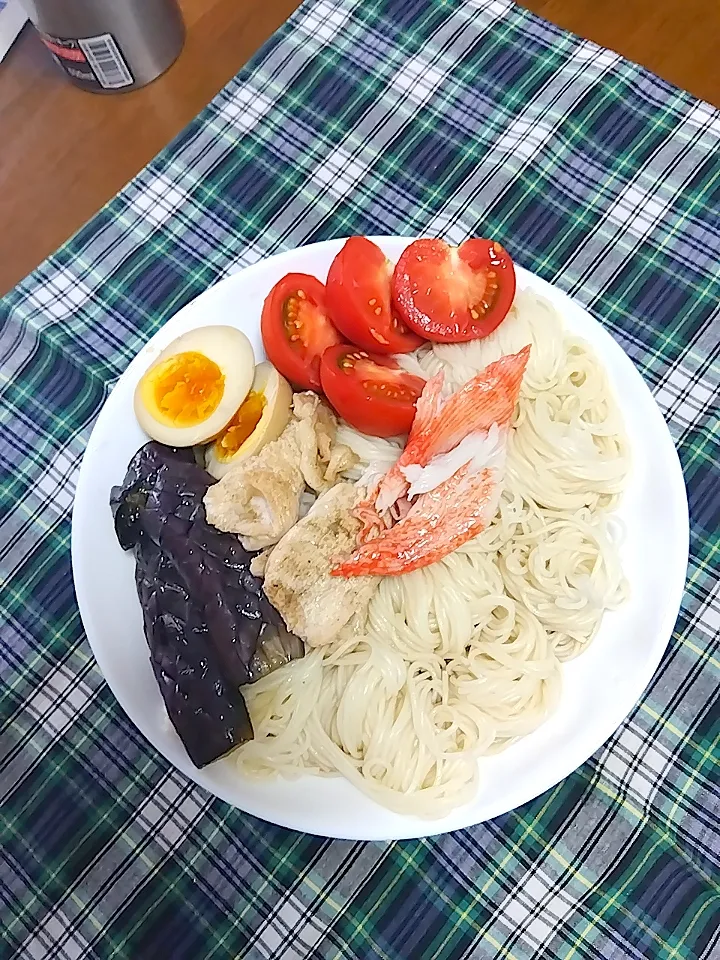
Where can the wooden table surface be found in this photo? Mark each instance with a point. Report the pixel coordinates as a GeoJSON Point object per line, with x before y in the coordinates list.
{"type": "Point", "coordinates": [64, 152]}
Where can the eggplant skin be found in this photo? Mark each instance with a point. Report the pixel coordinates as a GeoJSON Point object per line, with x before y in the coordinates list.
{"type": "Point", "coordinates": [208, 624]}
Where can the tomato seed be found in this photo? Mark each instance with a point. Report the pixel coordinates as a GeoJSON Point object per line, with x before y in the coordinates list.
{"type": "Point", "coordinates": [388, 391]}
{"type": "Point", "coordinates": [301, 294]}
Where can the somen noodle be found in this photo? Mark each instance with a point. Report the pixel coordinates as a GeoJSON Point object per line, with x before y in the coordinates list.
{"type": "Point", "coordinates": [460, 658]}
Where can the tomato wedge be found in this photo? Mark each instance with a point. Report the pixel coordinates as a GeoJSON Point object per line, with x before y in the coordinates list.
{"type": "Point", "coordinates": [296, 330]}
{"type": "Point", "coordinates": [453, 294]}
{"type": "Point", "coordinates": [371, 391]}
{"type": "Point", "coordinates": [358, 297]}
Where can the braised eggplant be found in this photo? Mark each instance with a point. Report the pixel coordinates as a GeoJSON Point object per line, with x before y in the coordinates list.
{"type": "Point", "coordinates": [209, 626]}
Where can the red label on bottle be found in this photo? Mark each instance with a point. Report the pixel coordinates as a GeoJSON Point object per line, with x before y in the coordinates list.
{"type": "Point", "coordinates": [67, 53]}
{"type": "Point", "coordinates": [96, 63]}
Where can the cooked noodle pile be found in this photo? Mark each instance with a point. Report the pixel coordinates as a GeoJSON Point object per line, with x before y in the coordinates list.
{"type": "Point", "coordinates": [460, 658]}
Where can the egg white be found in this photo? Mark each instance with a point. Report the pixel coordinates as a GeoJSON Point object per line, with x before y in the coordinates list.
{"type": "Point", "coordinates": [231, 350]}
{"type": "Point", "coordinates": [275, 416]}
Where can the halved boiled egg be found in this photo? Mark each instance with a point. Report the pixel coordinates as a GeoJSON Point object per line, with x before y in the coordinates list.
{"type": "Point", "coordinates": [262, 417]}
{"type": "Point", "coordinates": [195, 386]}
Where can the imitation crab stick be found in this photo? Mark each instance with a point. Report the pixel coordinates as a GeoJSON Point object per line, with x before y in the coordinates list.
{"type": "Point", "coordinates": [471, 426]}
{"type": "Point", "coordinates": [489, 397]}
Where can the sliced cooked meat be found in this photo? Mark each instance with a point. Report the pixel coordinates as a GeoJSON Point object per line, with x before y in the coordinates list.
{"type": "Point", "coordinates": [259, 563]}
{"type": "Point", "coordinates": [314, 604]}
{"type": "Point", "coordinates": [322, 460]}
{"type": "Point", "coordinates": [261, 498]}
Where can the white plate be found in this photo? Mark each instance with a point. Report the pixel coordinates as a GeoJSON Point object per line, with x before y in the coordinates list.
{"type": "Point", "coordinates": [599, 689]}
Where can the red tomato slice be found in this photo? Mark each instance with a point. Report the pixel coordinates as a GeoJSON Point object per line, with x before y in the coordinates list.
{"type": "Point", "coordinates": [371, 391]}
{"type": "Point", "coordinates": [358, 297]}
{"type": "Point", "coordinates": [296, 330]}
{"type": "Point", "coordinates": [453, 294]}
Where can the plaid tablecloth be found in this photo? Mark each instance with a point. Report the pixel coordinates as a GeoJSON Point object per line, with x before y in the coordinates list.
{"type": "Point", "coordinates": [379, 116]}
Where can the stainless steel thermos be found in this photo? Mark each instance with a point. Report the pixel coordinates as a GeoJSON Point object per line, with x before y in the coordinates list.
{"type": "Point", "coordinates": [109, 46]}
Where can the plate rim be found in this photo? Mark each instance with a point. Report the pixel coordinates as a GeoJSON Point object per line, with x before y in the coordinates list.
{"type": "Point", "coordinates": [415, 827]}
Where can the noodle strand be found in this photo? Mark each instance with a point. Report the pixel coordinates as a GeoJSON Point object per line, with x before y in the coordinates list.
{"type": "Point", "coordinates": [459, 659]}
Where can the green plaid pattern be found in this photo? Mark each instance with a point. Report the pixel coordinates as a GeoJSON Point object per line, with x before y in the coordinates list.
{"type": "Point", "coordinates": [381, 116]}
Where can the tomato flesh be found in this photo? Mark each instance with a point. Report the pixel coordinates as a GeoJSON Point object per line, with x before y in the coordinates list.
{"type": "Point", "coordinates": [453, 294]}
{"type": "Point", "coordinates": [296, 329]}
{"type": "Point", "coordinates": [359, 300]}
{"type": "Point", "coordinates": [371, 391]}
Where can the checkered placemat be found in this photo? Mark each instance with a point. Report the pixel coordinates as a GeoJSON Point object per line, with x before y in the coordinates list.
{"type": "Point", "coordinates": [380, 116]}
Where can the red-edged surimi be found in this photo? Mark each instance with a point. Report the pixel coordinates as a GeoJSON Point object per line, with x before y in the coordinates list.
{"type": "Point", "coordinates": [489, 397]}
{"type": "Point", "coordinates": [438, 521]}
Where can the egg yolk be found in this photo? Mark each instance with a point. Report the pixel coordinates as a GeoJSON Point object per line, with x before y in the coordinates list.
{"type": "Point", "coordinates": [240, 427]}
{"type": "Point", "coordinates": [185, 389]}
